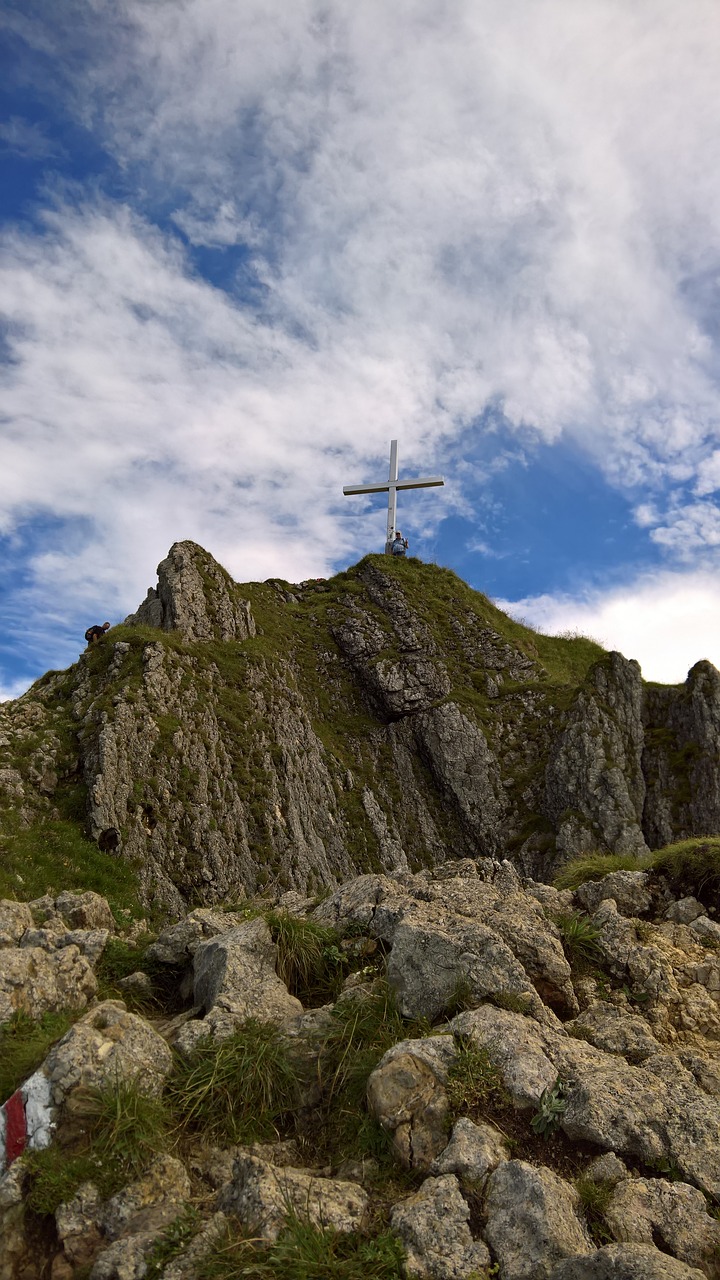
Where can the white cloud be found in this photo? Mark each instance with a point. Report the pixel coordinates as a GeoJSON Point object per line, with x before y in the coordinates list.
{"type": "Point", "coordinates": [497, 202]}
{"type": "Point", "coordinates": [667, 621]}
{"type": "Point", "coordinates": [13, 689]}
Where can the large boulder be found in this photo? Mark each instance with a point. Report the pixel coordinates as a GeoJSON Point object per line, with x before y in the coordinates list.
{"type": "Point", "coordinates": [406, 1095]}
{"type": "Point", "coordinates": [625, 1262]}
{"type": "Point", "coordinates": [196, 597]}
{"type": "Point", "coordinates": [670, 1215]}
{"type": "Point", "coordinates": [532, 1220]}
{"type": "Point", "coordinates": [35, 981]}
{"type": "Point", "coordinates": [234, 980]}
{"type": "Point", "coordinates": [433, 1226]}
{"type": "Point", "coordinates": [107, 1044]}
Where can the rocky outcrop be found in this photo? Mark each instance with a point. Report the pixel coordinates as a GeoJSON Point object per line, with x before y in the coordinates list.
{"type": "Point", "coordinates": [196, 597]}
{"type": "Point", "coordinates": [595, 789]}
{"type": "Point", "coordinates": [680, 758]}
{"type": "Point", "coordinates": [233, 737]}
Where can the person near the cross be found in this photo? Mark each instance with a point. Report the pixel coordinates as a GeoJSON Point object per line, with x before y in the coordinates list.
{"type": "Point", "coordinates": [399, 546]}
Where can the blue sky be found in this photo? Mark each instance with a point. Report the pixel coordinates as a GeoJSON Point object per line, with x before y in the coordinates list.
{"type": "Point", "coordinates": [243, 244]}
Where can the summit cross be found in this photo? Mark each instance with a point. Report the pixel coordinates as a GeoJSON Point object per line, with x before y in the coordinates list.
{"type": "Point", "coordinates": [391, 489]}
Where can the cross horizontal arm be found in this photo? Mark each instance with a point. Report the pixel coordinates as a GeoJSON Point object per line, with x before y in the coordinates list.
{"type": "Point", "coordinates": [365, 488]}
{"type": "Point", "coordinates": [419, 484]}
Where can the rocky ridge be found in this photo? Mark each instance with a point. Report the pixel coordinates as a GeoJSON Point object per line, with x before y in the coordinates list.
{"type": "Point", "coordinates": [546, 1103]}
{"type": "Point", "coordinates": [231, 738]}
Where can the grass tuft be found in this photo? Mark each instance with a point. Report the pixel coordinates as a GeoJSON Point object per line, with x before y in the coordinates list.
{"type": "Point", "coordinates": [124, 1130]}
{"type": "Point", "coordinates": [305, 1252]}
{"type": "Point", "coordinates": [474, 1084]}
{"type": "Point", "coordinates": [594, 1199]}
{"type": "Point", "coordinates": [310, 961]}
{"type": "Point", "coordinates": [579, 936]}
{"type": "Point", "coordinates": [691, 866]}
{"type": "Point", "coordinates": [594, 866]}
{"type": "Point", "coordinates": [240, 1090]}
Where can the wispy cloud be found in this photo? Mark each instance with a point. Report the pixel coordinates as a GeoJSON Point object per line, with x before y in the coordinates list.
{"type": "Point", "coordinates": [506, 204]}
{"type": "Point", "coordinates": [27, 139]}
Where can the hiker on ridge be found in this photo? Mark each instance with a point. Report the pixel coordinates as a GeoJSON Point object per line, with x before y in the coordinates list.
{"type": "Point", "coordinates": [93, 634]}
{"type": "Point", "coordinates": [399, 546]}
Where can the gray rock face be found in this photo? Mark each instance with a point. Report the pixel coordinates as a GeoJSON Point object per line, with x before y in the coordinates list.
{"type": "Point", "coordinates": [196, 597]}
{"type": "Point", "coordinates": [680, 758]}
{"type": "Point", "coordinates": [595, 786]}
{"type": "Point", "coordinates": [473, 1151]}
{"type": "Point", "coordinates": [433, 1226]}
{"type": "Point", "coordinates": [235, 979]}
{"type": "Point", "coordinates": [532, 1222]}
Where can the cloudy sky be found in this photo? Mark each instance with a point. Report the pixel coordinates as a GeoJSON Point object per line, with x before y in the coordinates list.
{"type": "Point", "coordinates": [245, 243]}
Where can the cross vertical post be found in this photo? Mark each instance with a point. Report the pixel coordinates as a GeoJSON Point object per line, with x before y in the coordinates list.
{"type": "Point", "coordinates": [392, 495]}
{"type": "Point", "coordinates": [391, 489]}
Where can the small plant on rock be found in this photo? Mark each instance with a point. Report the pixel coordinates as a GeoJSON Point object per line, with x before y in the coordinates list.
{"type": "Point", "coordinates": [579, 936]}
{"type": "Point", "coordinates": [474, 1084]}
{"type": "Point", "coordinates": [551, 1110]}
{"type": "Point", "coordinates": [595, 866]}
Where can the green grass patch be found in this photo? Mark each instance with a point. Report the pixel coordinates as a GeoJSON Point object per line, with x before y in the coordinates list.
{"type": "Point", "coordinates": [173, 1241]}
{"type": "Point", "coordinates": [51, 856]}
{"type": "Point", "coordinates": [595, 1198]}
{"type": "Point", "coordinates": [25, 1043]}
{"type": "Point", "coordinates": [305, 1252]}
{"type": "Point", "coordinates": [595, 866]}
{"type": "Point", "coordinates": [692, 867]}
{"type": "Point", "coordinates": [474, 1084]}
{"type": "Point", "coordinates": [243, 1089]}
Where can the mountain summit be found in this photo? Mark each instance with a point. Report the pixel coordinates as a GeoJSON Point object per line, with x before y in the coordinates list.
{"type": "Point", "coordinates": [230, 737]}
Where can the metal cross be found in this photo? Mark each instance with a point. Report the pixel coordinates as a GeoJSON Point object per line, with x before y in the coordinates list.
{"type": "Point", "coordinates": [391, 489]}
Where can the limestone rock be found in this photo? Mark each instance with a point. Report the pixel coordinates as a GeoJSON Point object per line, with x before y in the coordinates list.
{"type": "Point", "coordinates": [176, 945]}
{"type": "Point", "coordinates": [196, 597]}
{"type": "Point", "coordinates": [261, 1196]}
{"type": "Point", "coordinates": [433, 1226]}
{"type": "Point", "coordinates": [15, 918]}
{"type": "Point", "coordinates": [235, 979]}
{"type": "Point", "coordinates": [78, 1226]}
{"type": "Point", "coordinates": [628, 889]}
{"type": "Point", "coordinates": [516, 1046]}
{"type": "Point", "coordinates": [36, 981]}
{"type": "Point", "coordinates": [86, 910]}
{"type": "Point", "coordinates": [625, 1262]}
{"type": "Point", "coordinates": [12, 1224]}
{"type": "Point", "coordinates": [150, 1203]}
{"type": "Point", "coordinates": [106, 1044]}
{"type": "Point", "coordinates": [532, 1222]}
{"type": "Point", "coordinates": [670, 1215]}
{"type": "Point", "coordinates": [684, 911]}
{"type": "Point", "coordinates": [595, 788]}
{"type": "Point", "coordinates": [473, 1151]}
{"type": "Point", "coordinates": [680, 759]}
{"type": "Point", "coordinates": [406, 1095]}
